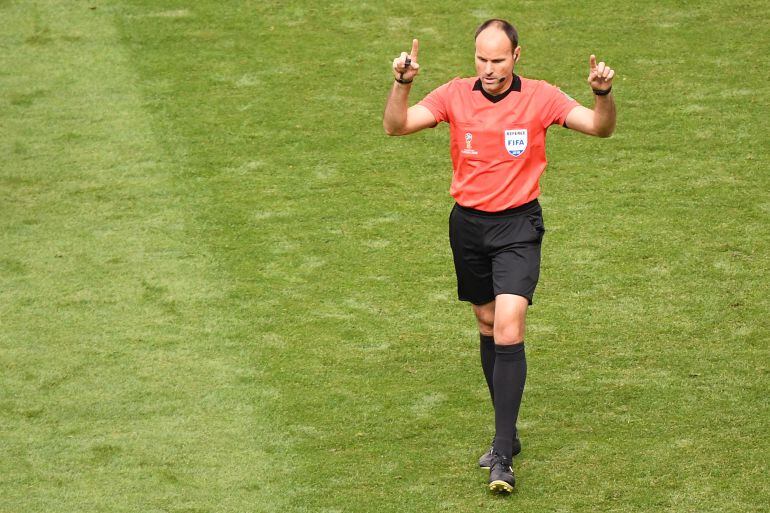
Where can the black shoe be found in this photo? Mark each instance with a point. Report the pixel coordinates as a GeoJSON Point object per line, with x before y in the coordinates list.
{"type": "Point", "coordinates": [501, 478]}
{"type": "Point", "coordinates": [486, 459]}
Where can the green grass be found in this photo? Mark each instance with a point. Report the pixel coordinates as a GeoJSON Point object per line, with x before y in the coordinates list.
{"type": "Point", "coordinates": [223, 288]}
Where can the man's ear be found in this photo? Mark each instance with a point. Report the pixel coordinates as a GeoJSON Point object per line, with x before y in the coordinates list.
{"type": "Point", "coordinates": [516, 54]}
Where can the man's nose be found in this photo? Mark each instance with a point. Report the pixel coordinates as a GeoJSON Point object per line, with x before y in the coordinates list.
{"type": "Point", "coordinates": [488, 68]}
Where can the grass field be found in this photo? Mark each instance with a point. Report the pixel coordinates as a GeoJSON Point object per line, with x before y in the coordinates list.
{"type": "Point", "coordinates": [224, 289]}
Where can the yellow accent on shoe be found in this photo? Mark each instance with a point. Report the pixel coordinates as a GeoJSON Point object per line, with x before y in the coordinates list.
{"type": "Point", "coordinates": [500, 487]}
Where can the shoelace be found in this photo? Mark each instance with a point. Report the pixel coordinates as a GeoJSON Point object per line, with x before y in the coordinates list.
{"type": "Point", "coordinates": [506, 466]}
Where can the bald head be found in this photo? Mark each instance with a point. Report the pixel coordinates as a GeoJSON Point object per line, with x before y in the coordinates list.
{"type": "Point", "coordinates": [501, 25]}
{"type": "Point", "coordinates": [496, 54]}
{"type": "Point", "coordinates": [493, 41]}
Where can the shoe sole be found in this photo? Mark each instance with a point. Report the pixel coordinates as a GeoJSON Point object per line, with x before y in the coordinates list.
{"type": "Point", "coordinates": [500, 487]}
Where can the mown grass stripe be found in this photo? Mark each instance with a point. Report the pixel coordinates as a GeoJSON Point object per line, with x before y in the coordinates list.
{"type": "Point", "coordinates": [339, 354]}
{"type": "Point", "coordinates": [125, 383]}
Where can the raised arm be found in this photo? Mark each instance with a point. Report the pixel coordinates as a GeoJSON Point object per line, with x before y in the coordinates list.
{"type": "Point", "coordinates": [601, 120]}
{"type": "Point", "coordinates": [399, 118]}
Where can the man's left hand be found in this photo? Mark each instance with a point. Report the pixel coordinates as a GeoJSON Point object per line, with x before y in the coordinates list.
{"type": "Point", "coordinates": [600, 75]}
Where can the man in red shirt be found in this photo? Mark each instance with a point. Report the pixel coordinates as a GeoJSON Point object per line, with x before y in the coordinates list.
{"type": "Point", "coordinates": [498, 123]}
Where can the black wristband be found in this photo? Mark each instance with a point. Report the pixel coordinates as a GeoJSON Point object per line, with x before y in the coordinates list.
{"type": "Point", "coordinates": [599, 92]}
{"type": "Point", "coordinates": [402, 81]}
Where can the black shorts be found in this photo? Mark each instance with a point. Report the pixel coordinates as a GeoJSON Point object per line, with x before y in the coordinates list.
{"type": "Point", "coordinates": [496, 252]}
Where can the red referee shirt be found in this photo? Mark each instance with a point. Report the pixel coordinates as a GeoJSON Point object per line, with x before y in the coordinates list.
{"type": "Point", "coordinates": [497, 142]}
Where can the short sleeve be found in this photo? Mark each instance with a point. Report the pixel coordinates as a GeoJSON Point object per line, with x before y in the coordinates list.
{"type": "Point", "coordinates": [436, 102]}
{"type": "Point", "coordinates": [556, 105]}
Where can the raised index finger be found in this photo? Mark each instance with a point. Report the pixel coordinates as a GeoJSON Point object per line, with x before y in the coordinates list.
{"type": "Point", "coordinates": [415, 48]}
{"type": "Point", "coordinates": [592, 62]}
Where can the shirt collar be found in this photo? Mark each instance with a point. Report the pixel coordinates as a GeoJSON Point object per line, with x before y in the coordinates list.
{"type": "Point", "coordinates": [515, 86]}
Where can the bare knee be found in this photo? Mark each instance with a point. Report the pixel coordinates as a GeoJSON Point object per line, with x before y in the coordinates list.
{"type": "Point", "coordinates": [510, 318]}
{"type": "Point", "coordinates": [486, 328]}
{"type": "Point", "coordinates": [509, 333]}
{"type": "Point", "coordinates": [485, 317]}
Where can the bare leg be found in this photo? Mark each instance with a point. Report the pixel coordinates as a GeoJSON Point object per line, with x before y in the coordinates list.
{"type": "Point", "coordinates": [510, 314]}
{"type": "Point", "coordinates": [485, 317]}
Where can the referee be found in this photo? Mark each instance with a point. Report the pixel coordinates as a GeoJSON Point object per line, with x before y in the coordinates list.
{"type": "Point", "coordinates": [497, 125]}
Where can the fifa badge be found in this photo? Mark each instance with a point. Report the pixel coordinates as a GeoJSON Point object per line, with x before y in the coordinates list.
{"type": "Point", "coordinates": [516, 141]}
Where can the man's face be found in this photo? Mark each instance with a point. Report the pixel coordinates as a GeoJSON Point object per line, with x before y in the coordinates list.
{"type": "Point", "coordinates": [495, 60]}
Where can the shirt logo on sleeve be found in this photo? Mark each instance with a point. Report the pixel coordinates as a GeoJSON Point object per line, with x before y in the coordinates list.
{"type": "Point", "coordinates": [516, 141]}
{"type": "Point", "coordinates": [468, 149]}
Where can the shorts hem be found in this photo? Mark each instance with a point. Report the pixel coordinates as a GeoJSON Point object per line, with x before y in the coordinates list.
{"type": "Point", "coordinates": [474, 301]}
{"type": "Point", "coordinates": [484, 302]}
{"type": "Point", "coordinates": [525, 296]}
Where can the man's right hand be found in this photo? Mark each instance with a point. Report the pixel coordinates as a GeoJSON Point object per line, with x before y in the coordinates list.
{"type": "Point", "coordinates": [399, 118]}
{"type": "Point", "coordinates": [403, 72]}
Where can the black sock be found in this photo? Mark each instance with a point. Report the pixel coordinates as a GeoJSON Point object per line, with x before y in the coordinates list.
{"type": "Point", "coordinates": [508, 381]}
{"type": "Point", "coordinates": [487, 350]}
